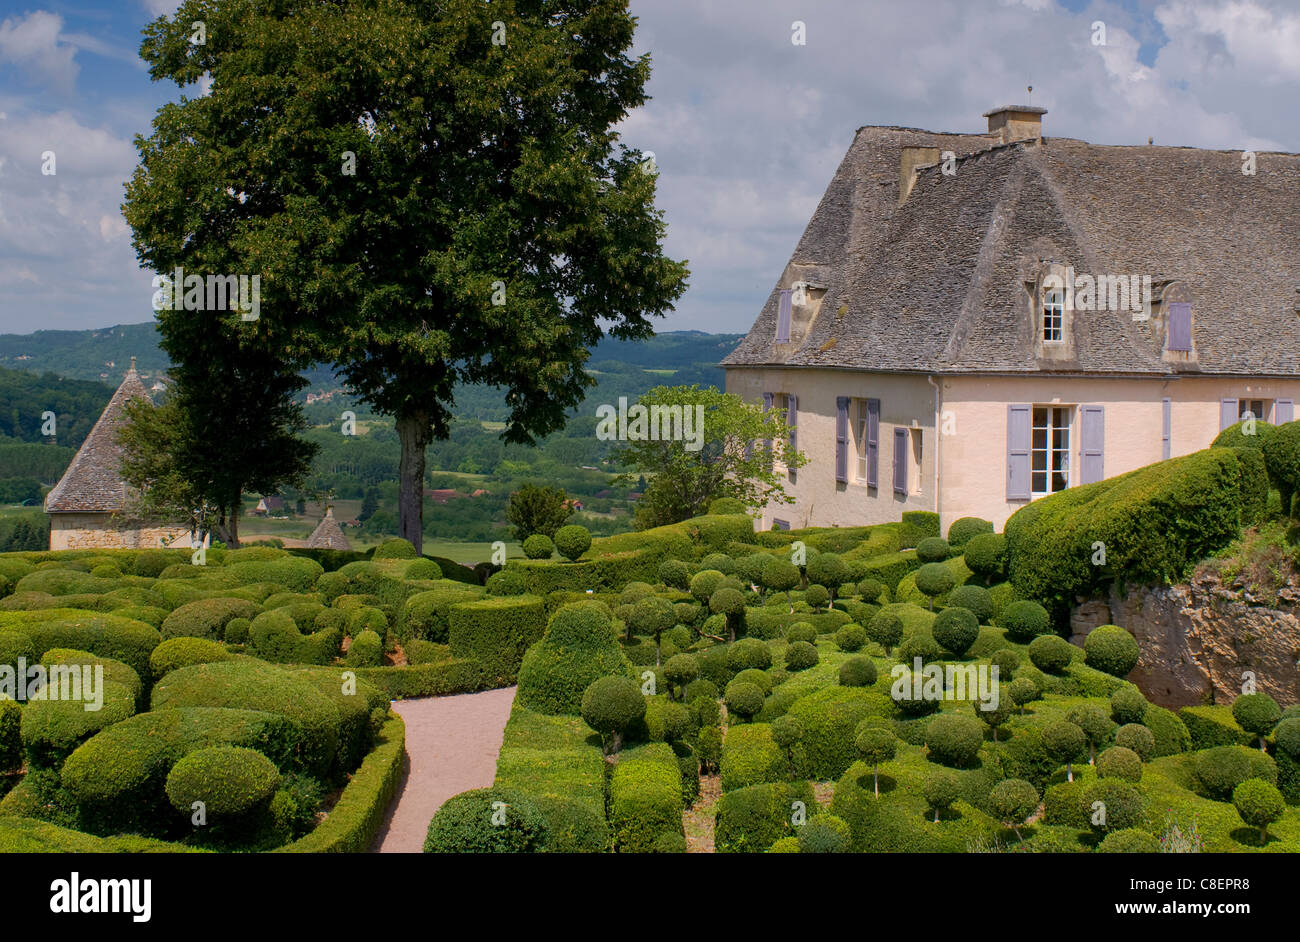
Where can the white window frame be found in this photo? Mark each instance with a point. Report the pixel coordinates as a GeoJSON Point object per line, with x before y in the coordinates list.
{"type": "Point", "coordinates": [1265, 407]}
{"type": "Point", "coordinates": [1056, 420]}
{"type": "Point", "coordinates": [860, 413]}
{"type": "Point", "coordinates": [1053, 315]}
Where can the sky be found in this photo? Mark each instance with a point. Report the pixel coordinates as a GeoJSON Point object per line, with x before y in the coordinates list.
{"type": "Point", "coordinates": [747, 123]}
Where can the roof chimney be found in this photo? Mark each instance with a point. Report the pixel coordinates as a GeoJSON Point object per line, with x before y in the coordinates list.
{"type": "Point", "coordinates": [1016, 122]}
{"type": "Point", "coordinates": [912, 160]}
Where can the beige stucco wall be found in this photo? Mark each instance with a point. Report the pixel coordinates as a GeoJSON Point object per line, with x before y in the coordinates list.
{"type": "Point", "coordinates": [906, 401]}
{"type": "Point", "coordinates": [973, 456]}
{"type": "Point", "coordinates": [103, 531]}
{"type": "Point", "coordinates": [972, 442]}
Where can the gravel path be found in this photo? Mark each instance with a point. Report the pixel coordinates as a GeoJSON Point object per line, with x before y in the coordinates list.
{"type": "Point", "coordinates": [451, 746]}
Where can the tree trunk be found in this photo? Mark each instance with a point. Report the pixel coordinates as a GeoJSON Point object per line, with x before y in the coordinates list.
{"type": "Point", "coordinates": [1069, 772]}
{"type": "Point", "coordinates": [414, 432]}
{"type": "Point", "coordinates": [875, 776]}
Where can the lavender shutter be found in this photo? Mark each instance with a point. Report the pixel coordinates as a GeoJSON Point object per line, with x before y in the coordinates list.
{"type": "Point", "coordinates": [1092, 420]}
{"type": "Point", "coordinates": [792, 420]}
{"type": "Point", "coordinates": [768, 399]}
{"type": "Point", "coordinates": [1166, 428]}
{"type": "Point", "coordinates": [900, 460]}
{"type": "Point", "coordinates": [1020, 421]}
{"type": "Point", "coordinates": [783, 317]}
{"type": "Point", "coordinates": [1180, 325]}
{"type": "Point", "coordinates": [1227, 413]}
{"type": "Point", "coordinates": [1284, 411]}
{"type": "Point", "coordinates": [842, 440]}
{"type": "Point", "coordinates": [873, 442]}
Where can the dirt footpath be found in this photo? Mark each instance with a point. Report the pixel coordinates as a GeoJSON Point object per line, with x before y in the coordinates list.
{"type": "Point", "coordinates": [451, 747]}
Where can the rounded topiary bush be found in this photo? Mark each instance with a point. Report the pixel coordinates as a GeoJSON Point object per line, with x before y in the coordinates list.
{"type": "Point", "coordinates": [956, 629]}
{"type": "Point", "coordinates": [870, 589]}
{"type": "Point", "coordinates": [817, 596]}
{"type": "Point", "coordinates": [885, 629]}
{"type": "Point", "coordinates": [578, 648]}
{"type": "Point", "coordinates": [487, 821]}
{"type": "Point", "coordinates": [1120, 762]}
{"type": "Point", "coordinates": [702, 688]}
{"type": "Point", "coordinates": [850, 637]}
{"type": "Point", "coordinates": [1259, 804]}
{"type": "Point", "coordinates": [506, 582]}
{"type": "Point", "coordinates": [1012, 801]}
{"type": "Point", "coordinates": [1051, 654]}
{"type": "Point", "coordinates": [538, 546]}
{"type": "Point", "coordinates": [182, 652]}
{"type": "Point", "coordinates": [749, 653]}
{"type": "Point", "coordinates": [718, 562]}
{"type": "Point", "coordinates": [1221, 769]}
{"type": "Point", "coordinates": [206, 618]}
{"type": "Point", "coordinates": [963, 529]}
{"type": "Point", "coordinates": [681, 669]}
{"type": "Point", "coordinates": [230, 781]}
{"type": "Point", "coordinates": [759, 678]}
{"type": "Point", "coordinates": [1234, 436]}
{"type": "Point", "coordinates": [953, 740]}
{"type": "Point", "coordinates": [423, 569]}
{"type": "Point", "coordinates": [933, 580]}
{"type": "Point", "coordinates": [674, 573]}
{"type": "Point", "coordinates": [800, 656]}
{"type": "Point", "coordinates": [572, 540]}
{"type": "Point", "coordinates": [395, 548]}
{"type": "Point", "coordinates": [366, 650]}
{"type": "Point", "coordinates": [824, 834]}
{"type": "Point", "coordinates": [1111, 804]}
{"type": "Point", "coordinates": [921, 646]}
{"type": "Point", "coordinates": [610, 705]}
{"type": "Point", "coordinates": [975, 599]}
{"type": "Point", "coordinates": [1127, 705]}
{"type": "Point", "coordinates": [1007, 662]}
{"type": "Point", "coordinates": [1129, 841]}
{"type": "Point", "coordinates": [1138, 738]}
{"type": "Point", "coordinates": [933, 549]}
{"type": "Point", "coordinates": [726, 505]}
{"type": "Point", "coordinates": [857, 672]}
{"type": "Point", "coordinates": [1025, 620]}
{"type": "Point", "coordinates": [1256, 713]}
{"type": "Point", "coordinates": [744, 699]}
{"type": "Point", "coordinates": [237, 631]}
{"type": "Point", "coordinates": [801, 631]}
{"type": "Point", "coordinates": [1111, 649]}
{"type": "Point", "coordinates": [985, 554]}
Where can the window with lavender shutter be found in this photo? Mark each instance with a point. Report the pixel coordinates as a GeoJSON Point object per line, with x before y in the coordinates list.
{"type": "Point", "coordinates": [873, 443]}
{"type": "Point", "coordinates": [902, 440]}
{"type": "Point", "coordinates": [1284, 411]}
{"type": "Point", "coordinates": [1020, 422]}
{"type": "Point", "coordinates": [1180, 326]}
{"type": "Point", "coordinates": [842, 440]}
{"type": "Point", "coordinates": [783, 316]}
{"type": "Point", "coordinates": [1227, 413]}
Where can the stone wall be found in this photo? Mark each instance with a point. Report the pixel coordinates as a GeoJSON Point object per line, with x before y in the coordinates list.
{"type": "Point", "coordinates": [1202, 636]}
{"type": "Point", "coordinates": [105, 531]}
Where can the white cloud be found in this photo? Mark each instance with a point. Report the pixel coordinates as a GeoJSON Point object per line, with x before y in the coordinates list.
{"type": "Point", "coordinates": [34, 45]}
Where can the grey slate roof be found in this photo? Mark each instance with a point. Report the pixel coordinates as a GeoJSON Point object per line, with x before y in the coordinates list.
{"type": "Point", "coordinates": [328, 534]}
{"type": "Point", "coordinates": [937, 284]}
{"type": "Point", "coordinates": [93, 482]}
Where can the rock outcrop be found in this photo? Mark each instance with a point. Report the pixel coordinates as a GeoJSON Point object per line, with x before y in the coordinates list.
{"type": "Point", "coordinates": [1204, 636]}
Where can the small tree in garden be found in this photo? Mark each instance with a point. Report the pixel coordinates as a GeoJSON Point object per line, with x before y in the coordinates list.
{"type": "Point", "coordinates": [875, 745]}
{"type": "Point", "coordinates": [787, 732]}
{"type": "Point", "coordinates": [1094, 722]}
{"type": "Point", "coordinates": [1023, 690]}
{"type": "Point", "coordinates": [940, 790]}
{"type": "Point", "coordinates": [572, 541]}
{"type": "Point", "coordinates": [704, 583]}
{"type": "Point", "coordinates": [933, 580]}
{"type": "Point", "coordinates": [1064, 741]}
{"type": "Point", "coordinates": [828, 569]}
{"type": "Point", "coordinates": [731, 603]}
{"type": "Point", "coordinates": [743, 699]}
{"type": "Point", "coordinates": [985, 554]}
{"type": "Point", "coordinates": [781, 575]}
{"type": "Point", "coordinates": [886, 629]}
{"type": "Point", "coordinates": [652, 616]}
{"type": "Point", "coordinates": [680, 670]}
{"type": "Point", "coordinates": [956, 629]}
{"type": "Point", "coordinates": [994, 717]}
{"type": "Point", "coordinates": [1256, 713]}
{"type": "Point", "coordinates": [539, 546]}
{"type": "Point", "coordinates": [1111, 649]}
{"type": "Point", "coordinates": [534, 509]}
{"type": "Point", "coordinates": [609, 706]}
{"type": "Point", "coordinates": [1012, 801]}
{"type": "Point", "coordinates": [1259, 804]}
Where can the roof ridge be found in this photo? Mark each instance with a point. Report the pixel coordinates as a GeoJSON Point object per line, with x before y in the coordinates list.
{"type": "Point", "coordinates": [93, 481]}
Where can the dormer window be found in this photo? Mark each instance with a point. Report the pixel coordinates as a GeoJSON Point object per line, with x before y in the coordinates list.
{"type": "Point", "coordinates": [1180, 326]}
{"type": "Point", "coordinates": [1053, 315]}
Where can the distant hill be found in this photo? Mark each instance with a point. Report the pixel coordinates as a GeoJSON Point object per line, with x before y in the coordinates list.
{"type": "Point", "coordinates": [102, 355]}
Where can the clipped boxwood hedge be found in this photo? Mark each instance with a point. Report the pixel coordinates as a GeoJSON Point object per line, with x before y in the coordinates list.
{"type": "Point", "coordinates": [496, 632]}
{"type": "Point", "coordinates": [750, 757]}
{"type": "Point", "coordinates": [752, 819]}
{"type": "Point", "coordinates": [1211, 726]}
{"type": "Point", "coordinates": [206, 618]}
{"type": "Point", "coordinates": [645, 799]}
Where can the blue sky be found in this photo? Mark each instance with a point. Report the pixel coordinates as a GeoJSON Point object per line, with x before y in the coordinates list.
{"type": "Point", "coordinates": [746, 126]}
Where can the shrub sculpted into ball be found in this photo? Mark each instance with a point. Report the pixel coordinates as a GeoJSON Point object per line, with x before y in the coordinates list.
{"type": "Point", "coordinates": [487, 821]}
{"type": "Point", "coordinates": [1259, 804]}
{"type": "Point", "coordinates": [573, 540]}
{"type": "Point", "coordinates": [824, 834]}
{"type": "Point", "coordinates": [933, 549]}
{"type": "Point", "coordinates": [1024, 621]}
{"type": "Point", "coordinates": [1111, 804]}
{"type": "Point", "coordinates": [1007, 662]}
{"type": "Point", "coordinates": [1221, 769]}
{"type": "Point", "coordinates": [870, 589]}
{"type": "Point", "coordinates": [964, 529]}
{"type": "Point", "coordinates": [940, 790]}
{"type": "Point", "coordinates": [744, 699]}
{"type": "Point", "coordinates": [886, 629]}
{"type": "Point", "coordinates": [1120, 762]}
{"type": "Point", "coordinates": [857, 672]}
{"type": "Point", "coordinates": [539, 546]}
{"type": "Point", "coordinates": [1127, 705]}
{"type": "Point", "coordinates": [1012, 801]}
{"type": "Point", "coordinates": [749, 653]}
{"type": "Point", "coordinates": [1129, 841]}
{"type": "Point", "coordinates": [974, 598]}
{"type": "Point", "coordinates": [1111, 649]}
{"type": "Point", "coordinates": [611, 705]}
{"type": "Point", "coordinates": [953, 740]}
{"type": "Point", "coordinates": [956, 629]}
{"type": "Point", "coordinates": [230, 781]}
{"type": "Point", "coordinates": [984, 554]}
{"type": "Point", "coordinates": [800, 656]}
{"type": "Point", "coordinates": [817, 596]}
{"type": "Point", "coordinates": [1138, 738]}
{"type": "Point", "coordinates": [730, 603]}
{"type": "Point", "coordinates": [827, 569]}
{"type": "Point", "coordinates": [850, 637]}
{"type": "Point", "coordinates": [922, 646]}
{"type": "Point", "coordinates": [1256, 713]}
{"type": "Point", "coordinates": [1051, 654]}
{"type": "Point", "coordinates": [1065, 742]}
{"type": "Point", "coordinates": [933, 580]}
{"type": "Point", "coordinates": [680, 670]}
{"type": "Point", "coordinates": [801, 631]}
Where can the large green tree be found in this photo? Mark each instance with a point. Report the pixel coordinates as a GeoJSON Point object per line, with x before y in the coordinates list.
{"type": "Point", "coordinates": [431, 191]}
{"type": "Point", "coordinates": [734, 449]}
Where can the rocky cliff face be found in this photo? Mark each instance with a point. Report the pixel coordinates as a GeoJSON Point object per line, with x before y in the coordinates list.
{"type": "Point", "coordinates": [1204, 636]}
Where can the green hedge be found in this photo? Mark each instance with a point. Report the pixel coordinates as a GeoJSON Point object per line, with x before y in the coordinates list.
{"type": "Point", "coordinates": [916, 526]}
{"type": "Point", "coordinates": [645, 798]}
{"type": "Point", "coordinates": [455, 675]}
{"type": "Point", "coordinates": [496, 632]}
{"type": "Point", "coordinates": [30, 836]}
{"type": "Point", "coordinates": [1155, 523]}
{"type": "Point", "coordinates": [355, 820]}
{"type": "Point", "coordinates": [122, 639]}
{"type": "Point", "coordinates": [52, 729]}
{"type": "Point", "coordinates": [752, 819]}
{"type": "Point", "coordinates": [1211, 726]}
{"type": "Point", "coordinates": [206, 618]}
{"type": "Point", "coordinates": [750, 757]}
{"type": "Point", "coordinates": [829, 717]}
{"type": "Point", "coordinates": [890, 568]}
{"type": "Point", "coordinates": [427, 614]}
